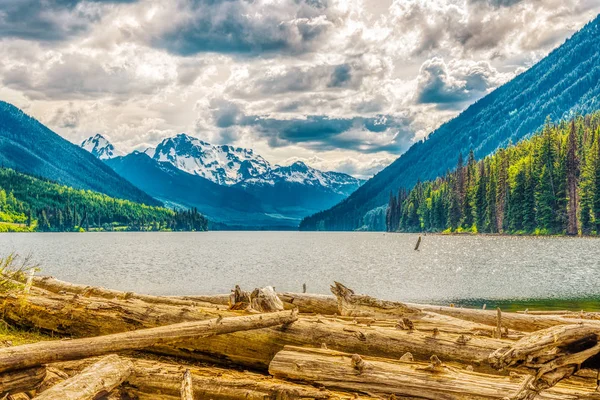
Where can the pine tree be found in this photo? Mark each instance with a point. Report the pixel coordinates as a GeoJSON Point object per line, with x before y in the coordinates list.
{"type": "Point", "coordinates": [572, 180]}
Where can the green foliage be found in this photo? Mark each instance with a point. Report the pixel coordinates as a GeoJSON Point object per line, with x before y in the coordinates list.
{"type": "Point", "coordinates": [28, 203]}
{"type": "Point", "coordinates": [13, 271]}
{"type": "Point", "coordinates": [546, 185]}
{"type": "Point", "coordinates": [562, 84]}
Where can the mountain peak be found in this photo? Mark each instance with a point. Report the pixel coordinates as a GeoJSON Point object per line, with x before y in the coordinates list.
{"type": "Point", "coordinates": [100, 147]}
{"type": "Point", "coordinates": [222, 164]}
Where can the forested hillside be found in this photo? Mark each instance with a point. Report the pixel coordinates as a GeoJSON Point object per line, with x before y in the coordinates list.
{"type": "Point", "coordinates": [549, 184]}
{"type": "Point", "coordinates": [28, 203]}
{"type": "Point", "coordinates": [564, 83]}
{"type": "Point", "coordinates": [28, 146]}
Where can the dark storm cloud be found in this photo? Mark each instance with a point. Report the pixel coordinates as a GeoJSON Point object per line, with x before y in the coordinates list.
{"type": "Point", "coordinates": [320, 132]}
{"type": "Point", "coordinates": [242, 27]}
{"type": "Point", "coordinates": [47, 20]}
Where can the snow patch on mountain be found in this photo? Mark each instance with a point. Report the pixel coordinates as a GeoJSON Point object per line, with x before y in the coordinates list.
{"type": "Point", "coordinates": [100, 147]}
{"type": "Point", "coordinates": [225, 165]}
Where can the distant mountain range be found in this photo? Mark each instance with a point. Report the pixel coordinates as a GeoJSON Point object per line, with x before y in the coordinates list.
{"type": "Point", "coordinates": [565, 83]}
{"type": "Point", "coordinates": [28, 146]}
{"type": "Point", "coordinates": [231, 185]}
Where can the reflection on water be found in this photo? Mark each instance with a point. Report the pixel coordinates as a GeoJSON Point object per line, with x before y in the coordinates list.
{"type": "Point", "coordinates": [466, 270]}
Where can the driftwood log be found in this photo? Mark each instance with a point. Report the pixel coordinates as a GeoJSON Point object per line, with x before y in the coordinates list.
{"type": "Point", "coordinates": [257, 348]}
{"type": "Point", "coordinates": [76, 315]}
{"type": "Point", "coordinates": [152, 379]}
{"type": "Point", "coordinates": [351, 304]}
{"type": "Point", "coordinates": [384, 377]}
{"type": "Point", "coordinates": [30, 355]}
{"type": "Point", "coordinates": [81, 316]}
{"type": "Point", "coordinates": [57, 286]}
{"type": "Point", "coordinates": [93, 382]}
{"type": "Point", "coordinates": [554, 354]}
{"type": "Point", "coordinates": [517, 321]}
{"type": "Point", "coordinates": [305, 302]}
{"type": "Point", "coordinates": [21, 380]}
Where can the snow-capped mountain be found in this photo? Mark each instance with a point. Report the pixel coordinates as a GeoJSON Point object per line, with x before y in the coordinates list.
{"type": "Point", "coordinates": [225, 165]}
{"type": "Point", "coordinates": [230, 185]}
{"type": "Point", "coordinates": [99, 146]}
{"type": "Point", "coordinates": [302, 174]}
{"type": "Point", "coordinates": [228, 165]}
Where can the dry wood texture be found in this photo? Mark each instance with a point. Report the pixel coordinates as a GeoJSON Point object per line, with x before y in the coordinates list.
{"type": "Point", "coordinates": [57, 286]}
{"type": "Point", "coordinates": [21, 380]}
{"type": "Point", "coordinates": [355, 305]}
{"type": "Point", "coordinates": [256, 349]}
{"type": "Point", "coordinates": [386, 377]}
{"type": "Point", "coordinates": [75, 315]}
{"type": "Point", "coordinates": [516, 321]}
{"type": "Point", "coordinates": [555, 354]}
{"type": "Point", "coordinates": [93, 382]}
{"type": "Point", "coordinates": [187, 386]}
{"type": "Point", "coordinates": [157, 380]}
{"type": "Point", "coordinates": [13, 358]}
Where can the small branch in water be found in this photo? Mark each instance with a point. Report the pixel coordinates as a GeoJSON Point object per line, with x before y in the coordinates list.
{"type": "Point", "coordinates": [418, 243]}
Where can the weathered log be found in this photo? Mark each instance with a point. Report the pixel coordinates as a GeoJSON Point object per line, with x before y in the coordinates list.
{"type": "Point", "coordinates": [256, 349]}
{"type": "Point", "coordinates": [30, 355]}
{"type": "Point", "coordinates": [554, 354]}
{"type": "Point", "coordinates": [94, 381]}
{"type": "Point", "coordinates": [516, 321]}
{"type": "Point", "coordinates": [18, 396]}
{"type": "Point", "coordinates": [351, 304]}
{"type": "Point", "coordinates": [265, 300]}
{"type": "Point", "coordinates": [310, 303]}
{"type": "Point", "coordinates": [53, 377]}
{"type": "Point", "coordinates": [75, 315]}
{"type": "Point", "coordinates": [386, 377]}
{"type": "Point", "coordinates": [80, 316]}
{"type": "Point", "coordinates": [162, 380]}
{"type": "Point", "coordinates": [57, 286]}
{"type": "Point", "coordinates": [187, 386]}
{"type": "Point", "coordinates": [306, 303]}
{"type": "Point", "coordinates": [21, 380]}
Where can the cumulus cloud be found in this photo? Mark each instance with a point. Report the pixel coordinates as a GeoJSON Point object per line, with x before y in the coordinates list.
{"type": "Point", "coordinates": [456, 82]}
{"type": "Point", "coordinates": [187, 27]}
{"type": "Point", "coordinates": [344, 85]}
{"type": "Point", "coordinates": [49, 20]}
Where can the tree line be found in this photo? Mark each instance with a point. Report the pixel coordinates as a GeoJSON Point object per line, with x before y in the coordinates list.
{"type": "Point", "coordinates": [547, 184]}
{"type": "Point", "coordinates": [30, 203]}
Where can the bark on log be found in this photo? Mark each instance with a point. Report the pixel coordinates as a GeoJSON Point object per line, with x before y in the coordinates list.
{"type": "Point", "coordinates": [57, 286]}
{"type": "Point", "coordinates": [555, 354]}
{"type": "Point", "coordinates": [21, 380]}
{"type": "Point", "coordinates": [306, 303]}
{"type": "Point", "coordinates": [256, 349]}
{"type": "Point", "coordinates": [265, 300]}
{"type": "Point", "coordinates": [351, 304]}
{"type": "Point", "coordinates": [80, 316]}
{"type": "Point", "coordinates": [157, 380]}
{"type": "Point", "coordinates": [516, 321]}
{"type": "Point", "coordinates": [187, 386]}
{"type": "Point", "coordinates": [30, 355]}
{"type": "Point", "coordinates": [75, 315]}
{"type": "Point", "coordinates": [386, 377]}
{"type": "Point", "coordinates": [310, 303]}
{"type": "Point", "coordinates": [94, 381]}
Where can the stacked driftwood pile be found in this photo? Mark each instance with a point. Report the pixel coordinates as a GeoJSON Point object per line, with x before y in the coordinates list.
{"type": "Point", "coordinates": [118, 345]}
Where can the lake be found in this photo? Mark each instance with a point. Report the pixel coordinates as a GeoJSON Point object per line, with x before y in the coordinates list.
{"type": "Point", "coordinates": [468, 270]}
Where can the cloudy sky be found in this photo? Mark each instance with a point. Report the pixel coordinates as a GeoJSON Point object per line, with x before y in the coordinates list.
{"type": "Point", "coordinates": [345, 85]}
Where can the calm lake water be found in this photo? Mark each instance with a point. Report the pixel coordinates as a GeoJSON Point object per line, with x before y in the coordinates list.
{"type": "Point", "coordinates": [469, 270]}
